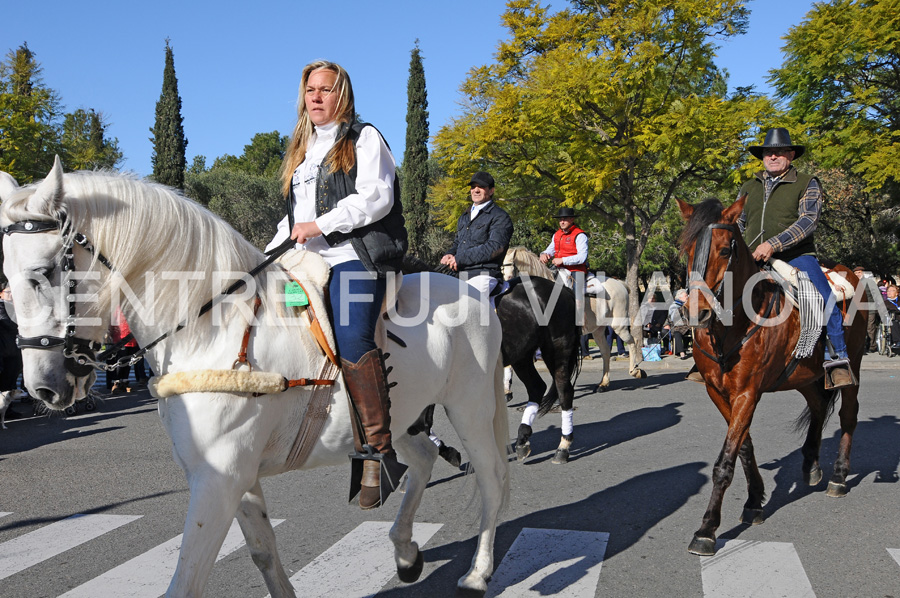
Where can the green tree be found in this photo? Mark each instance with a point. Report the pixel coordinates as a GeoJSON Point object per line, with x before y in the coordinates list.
{"type": "Point", "coordinates": [29, 133]}
{"type": "Point", "coordinates": [84, 144]}
{"type": "Point", "coordinates": [840, 76]}
{"type": "Point", "coordinates": [262, 157]}
{"type": "Point", "coordinates": [608, 106]}
{"type": "Point", "coordinates": [414, 183]}
{"type": "Point", "coordinates": [169, 144]}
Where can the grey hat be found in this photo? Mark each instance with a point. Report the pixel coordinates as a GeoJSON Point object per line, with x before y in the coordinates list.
{"type": "Point", "coordinates": [482, 179]}
{"type": "Point", "coordinates": [777, 138]}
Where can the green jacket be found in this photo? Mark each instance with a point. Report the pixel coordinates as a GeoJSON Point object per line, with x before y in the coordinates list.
{"type": "Point", "coordinates": [765, 219]}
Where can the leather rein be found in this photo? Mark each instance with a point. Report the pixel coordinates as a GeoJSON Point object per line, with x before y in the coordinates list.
{"type": "Point", "coordinates": [80, 354]}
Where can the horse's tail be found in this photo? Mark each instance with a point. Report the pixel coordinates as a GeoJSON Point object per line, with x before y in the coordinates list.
{"type": "Point", "coordinates": [829, 398]}
{"type": "Point", "coordinates": [501, 428]}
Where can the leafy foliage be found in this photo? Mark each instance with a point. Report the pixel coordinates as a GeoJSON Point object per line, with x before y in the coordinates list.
{"type": "Point", "coordinates": [262, 157]}
{"type": "Point", "coordinates": [840, 76]}
{"type": "Point", "coordinates": [29, 135]}
{"type": "Point", "coordinates": [169, 143]}
{"type": "Point", "coordinates": [84, 144]}
{"type": "Point", "coordinates": [608, 106]}
{"type": "Point", "coordinates": [414, 182]}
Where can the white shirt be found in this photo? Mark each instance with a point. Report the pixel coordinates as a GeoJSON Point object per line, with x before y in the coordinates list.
{"type": "Point", "coordinates": [581, 244]}
{"type": "Point", "coordinates": [374, 197]}
{"type": "Point", "coordinates": [477, 207]}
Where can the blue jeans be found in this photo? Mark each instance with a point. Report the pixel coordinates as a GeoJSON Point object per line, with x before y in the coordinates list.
{"type": "Point", "coordinates": [356, 314]}
{"type": "Point", "coordinates": [834, 326]}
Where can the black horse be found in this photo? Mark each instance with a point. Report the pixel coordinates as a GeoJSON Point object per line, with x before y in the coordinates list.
{"type": "Point", "coordinates": [535, 314]}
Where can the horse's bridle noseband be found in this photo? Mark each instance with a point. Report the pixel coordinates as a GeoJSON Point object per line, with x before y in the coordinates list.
{"type": "Point", "coordinates": [78, 352]}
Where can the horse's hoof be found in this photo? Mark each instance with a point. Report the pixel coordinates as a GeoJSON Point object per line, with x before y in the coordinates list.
{"type": "Point", "coordinates": [411, 574]}
{"type": "Point", "coordinates": [522, 451]}
{"type": "Point", "coordinates": [752, 516]}
{"type": "Point", "coordinates": [508, 397]}
{"type": "Point", "coordinates": [702, 546]}
{"type": "Point", "coordinates": [469, 593]}
{"type": "Point", "coordinates": [813, 477]}
{"type": "Point", "coordinates": [638, 373]}
{"type": "Point", "coordinates": [561, 457]}
{"type": "Point", "coordinates": [601, 388]}
{"type": "Point", "coordinates": [836, 490]}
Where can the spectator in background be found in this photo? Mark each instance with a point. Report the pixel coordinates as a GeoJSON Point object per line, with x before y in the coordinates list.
{"type": "Point", "coordinates": [872, 321]}
{"type": "Point", "coordinates": [119, 331]}
{"type": "Point", "coordinates": [892, 303]}
{"type": "Point", "coordinates": [10, 354]}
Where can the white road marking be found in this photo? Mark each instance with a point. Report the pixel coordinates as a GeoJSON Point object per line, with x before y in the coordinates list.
{"type": "Point", "coordinates": [56, 538]}
{"type": "Point", "coordinates": [358, 565]}
{"type": "Point", "coordinates": [745, 569]}
{"type": "Point", "coordinates": [550, 562]}
{"type": "Point", "coordinates": [148, 575]}
{"type": "Point", "coordinates": [895, 552]}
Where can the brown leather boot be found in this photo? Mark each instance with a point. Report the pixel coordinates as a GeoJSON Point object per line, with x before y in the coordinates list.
{"type": "Point", "coordinates": [375, 471]}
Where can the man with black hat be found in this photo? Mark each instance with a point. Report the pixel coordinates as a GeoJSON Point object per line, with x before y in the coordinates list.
{"type": "Point", "coordinates": [779, 218]}
{"type": "Point", "coordinates": [568, 250]}
{"type": "Point", "coordinates": [482, 238]}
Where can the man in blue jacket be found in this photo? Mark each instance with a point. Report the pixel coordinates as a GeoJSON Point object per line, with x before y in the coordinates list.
{"type": "Point", "coordinates": [482, 238]}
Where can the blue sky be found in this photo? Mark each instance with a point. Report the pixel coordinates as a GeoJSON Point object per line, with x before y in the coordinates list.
{"type": "Point", "coordinates": [238, 63]}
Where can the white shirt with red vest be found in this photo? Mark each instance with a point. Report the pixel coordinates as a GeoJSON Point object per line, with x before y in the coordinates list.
{"type": "Point", "coordinates": [572, 247]}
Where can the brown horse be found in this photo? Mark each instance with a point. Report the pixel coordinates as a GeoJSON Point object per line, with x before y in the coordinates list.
{"type": "Point", "coordinates": [742, 361]}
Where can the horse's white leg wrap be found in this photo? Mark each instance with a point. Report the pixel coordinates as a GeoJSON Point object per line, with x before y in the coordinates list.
{"type": "Point", "coordinates": [507, 378]}
{"type": "Point", "coordinates": [567, 422]}
{"type": "Point", "coordinates": [530, 413]}
{"type": "Point", "coordinates": [437, 441]}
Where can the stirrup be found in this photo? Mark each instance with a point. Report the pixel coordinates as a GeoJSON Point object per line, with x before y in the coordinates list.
{"type": "Point", "coordinates": [389, 473]}
{"type": "Point", "coordinates": [842, 364]}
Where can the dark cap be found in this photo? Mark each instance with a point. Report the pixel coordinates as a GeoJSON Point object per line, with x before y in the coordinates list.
{"type": "Point", "coordinates": [482, 179]}
{"type": "Point", "coordinates": [566, 213]}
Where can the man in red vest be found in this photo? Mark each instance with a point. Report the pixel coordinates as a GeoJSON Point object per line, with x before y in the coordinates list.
{"type": "Point", "coordinates": [568, 250]}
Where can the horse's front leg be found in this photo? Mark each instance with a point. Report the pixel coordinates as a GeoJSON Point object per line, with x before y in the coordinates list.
{"type": "Point", "coordinates": [213, 503]}
{"type": "Point", "coordinates": [254, 519]}
{"type": "Point", "coordinates": [704, 541]}
{"type": "Point", "coordinates": [566, 400]}
{"type": "Point", "coordinates": [419, 454]}
{"type": "Point", "coordinates": [756, 493]}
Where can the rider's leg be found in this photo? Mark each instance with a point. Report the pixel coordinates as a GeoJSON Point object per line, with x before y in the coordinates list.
{"type": "Point", "coordinates": [834, 325]}
{"type": "Point", "coordinates": [356, 296]}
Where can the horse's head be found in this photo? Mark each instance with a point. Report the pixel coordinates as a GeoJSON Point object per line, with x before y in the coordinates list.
{"type": "Point", "coordinates": [37, 259]}
{"type": "Point", "coordinates": [509, 269]}
{"type": "Point", "coordinates": [712, 243]}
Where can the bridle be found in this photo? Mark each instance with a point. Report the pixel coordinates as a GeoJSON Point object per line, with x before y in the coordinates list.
{"type": "Point", "coordinates": [81, 354]}
{"type": "Point", "coordinates": [699, 265]}
{"type": "Point", "coordinates": [702, 247]}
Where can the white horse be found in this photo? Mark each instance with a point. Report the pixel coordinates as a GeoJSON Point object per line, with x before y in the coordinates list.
{"type": "Point", "coordinates": [599, 312]}
{"type": "Point", "coordinates": [226, 440]}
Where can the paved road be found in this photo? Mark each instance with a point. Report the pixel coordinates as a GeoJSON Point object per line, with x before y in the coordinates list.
{"type": "Point", "coordinates": [615, 521]}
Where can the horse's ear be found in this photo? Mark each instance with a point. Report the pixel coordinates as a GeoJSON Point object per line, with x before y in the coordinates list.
{"type": "Point", "coordinates": [48, 197]}
{"type": "Point", "coordinates": [8, 186]}
{"type": "Point", "coordinates": [687, 210]}
{"type": "Point", "coordinates": [734, 211]}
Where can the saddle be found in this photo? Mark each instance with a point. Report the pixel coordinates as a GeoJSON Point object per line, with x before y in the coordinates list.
{"type": "Point", "coordinates": [841, 288]}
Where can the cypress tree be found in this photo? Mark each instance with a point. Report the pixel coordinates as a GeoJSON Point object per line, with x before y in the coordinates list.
{"type": "Point", "coordinates": [168, 140]}
{"type": "Point", "coordinates": [414, 185]}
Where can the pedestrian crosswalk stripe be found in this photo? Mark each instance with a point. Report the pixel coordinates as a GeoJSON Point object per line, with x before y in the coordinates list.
{"type": "Point", "coordinates": [148, 575]}
{"type": "Point", "coordinates": [56, 538]}
{"type": "Point", "coordinates": [3, 514]}
{"type": "Point", "coordinates": [550, 562]}
{"type": "Point", "coordinates": [358, 565]}
{"type": "Point", "coordinates": [894, 552]}
{"type": "Point", "coordinates": [744, 568]}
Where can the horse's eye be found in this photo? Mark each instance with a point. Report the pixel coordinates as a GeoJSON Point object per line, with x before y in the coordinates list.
{"type": "Point", "coordinates": [725, 252]}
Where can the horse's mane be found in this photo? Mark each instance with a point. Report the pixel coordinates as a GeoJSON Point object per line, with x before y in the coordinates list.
{"type": "Point", "coordinates": [707, 212]}
{"type": "Point", "coordinates": [527, 262]}
{"type": "Point", "coordinates": [144, 227]}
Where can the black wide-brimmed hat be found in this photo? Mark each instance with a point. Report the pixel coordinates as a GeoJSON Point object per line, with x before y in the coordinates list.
{"type": "Point", "coordinates": [566, 213]}
{"type": "Point", "coordinates": [777, 138]}
{"type": "Point", "coordinates": [482, 179]}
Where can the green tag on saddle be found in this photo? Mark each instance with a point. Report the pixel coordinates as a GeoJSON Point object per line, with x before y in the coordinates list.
{"type": "Point", "coordinates": [294, 295]}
